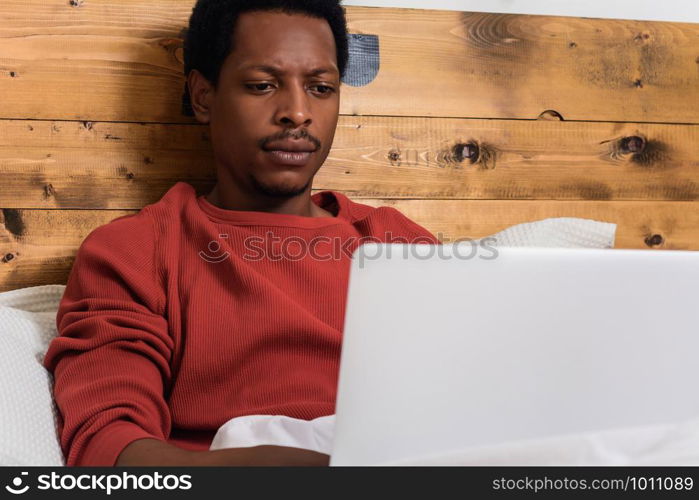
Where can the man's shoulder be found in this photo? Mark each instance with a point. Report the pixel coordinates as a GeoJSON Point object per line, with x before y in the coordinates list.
{"type": "Point", "coordinates": [389, 218]}
{"type": "Point", "coordinates": [146, 225]}
{"type": "Point", "coordinates": [127, 232]}
{"type": "Point", "coordinates": [357, 210]}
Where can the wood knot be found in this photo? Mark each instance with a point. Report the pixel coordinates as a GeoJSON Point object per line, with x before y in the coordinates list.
{"type": "Point", "coordinates": [12, 74]}
{"type": "Point", "coordinates": [48, 190]}
{"type": "Point", "coordinates": [76, 3]}
{"type": "Point", "coordinates": [572, 45]}
{"type": "Point", "coordinates": [129, 175]}
{"type": "Point", "coordinates": [13, 221]}
{"type": "Point", "coordinates": [8, 257]}
{"type": "Point", "coordinates": [638, 84]}
{"type": "Point", "coordinates": [654, 240]}
{"type": "Point", "coordinates": [394, 155]}
{"type": "Point", "coordinates": [551, 115]}
{"type": "Point", "coordinates": [469, 150]}
{"type": "Point", "coordinates": [632, 144]}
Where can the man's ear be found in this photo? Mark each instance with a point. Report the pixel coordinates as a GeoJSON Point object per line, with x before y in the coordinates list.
{"type": "Point", "coordinates": [200, 96]}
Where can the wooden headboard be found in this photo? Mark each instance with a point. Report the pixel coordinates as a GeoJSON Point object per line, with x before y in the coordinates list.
{"type": "Point", "coordinates": [466, 122]}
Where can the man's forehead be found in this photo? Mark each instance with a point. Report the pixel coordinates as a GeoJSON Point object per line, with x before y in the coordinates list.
{"type": "Point", "coordinates": [307, 68]}
{"type": "Point", "coordinates": [258, 30]}
{"type": "Point", "coordinates": [284, 44]}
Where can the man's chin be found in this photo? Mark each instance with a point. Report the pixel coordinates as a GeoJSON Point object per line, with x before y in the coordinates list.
{"type": "Point", "coordinates": [278, 189]}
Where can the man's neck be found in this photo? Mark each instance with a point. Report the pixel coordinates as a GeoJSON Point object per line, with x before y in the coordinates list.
{"type": "Point", "coordinates": [233, 199]}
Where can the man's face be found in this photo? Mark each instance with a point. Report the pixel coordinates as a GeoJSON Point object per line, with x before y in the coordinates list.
{"type": "Point", "coordinates": [254, 111]}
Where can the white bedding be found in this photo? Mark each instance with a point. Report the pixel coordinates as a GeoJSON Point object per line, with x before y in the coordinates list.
{"type": "Point", "coordinates": [28, 415]}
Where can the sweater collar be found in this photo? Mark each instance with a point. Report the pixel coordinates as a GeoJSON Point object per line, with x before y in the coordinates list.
{"type": "Point", "coordinates": [332, 201]}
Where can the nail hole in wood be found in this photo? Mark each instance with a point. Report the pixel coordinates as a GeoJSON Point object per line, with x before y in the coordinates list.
{"type": "Point", "coordinates": [632, 144]}
{"type": "Point", "coordinates": [469, 150]}
{"type": "Point", "coordinates": [394, 155]}
{"type": "Point", "coordinates": [654, 240]}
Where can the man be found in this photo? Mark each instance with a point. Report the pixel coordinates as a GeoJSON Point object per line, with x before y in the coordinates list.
{"type": "Point", "coordinates": [200, 309]}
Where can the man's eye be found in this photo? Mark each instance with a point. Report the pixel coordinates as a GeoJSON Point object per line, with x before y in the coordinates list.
{"type": "Point", "coordinates": [253, 86]}
{"type": "Point", "coordinates": [328, 90]}
{"type": "Point", "coordinates": [323, 89]}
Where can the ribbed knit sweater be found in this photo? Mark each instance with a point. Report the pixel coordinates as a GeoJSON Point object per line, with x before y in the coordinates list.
{"type": "Point", "coordinates": [185, 315]}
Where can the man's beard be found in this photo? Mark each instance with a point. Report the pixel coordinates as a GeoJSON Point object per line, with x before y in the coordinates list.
{"type": "Point", "coordinates": [277, 190]}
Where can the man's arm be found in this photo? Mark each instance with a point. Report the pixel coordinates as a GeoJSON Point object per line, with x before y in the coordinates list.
{"type": "Point", "coordinates": [153, 452]}
{"type": "Point", "coordinates": [111, 358]}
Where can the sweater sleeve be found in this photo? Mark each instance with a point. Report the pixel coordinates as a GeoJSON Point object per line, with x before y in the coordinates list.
{"type": "Point", "coordinates": [110, 360]}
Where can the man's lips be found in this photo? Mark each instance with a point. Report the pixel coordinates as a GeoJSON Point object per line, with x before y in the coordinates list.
{"type": "Point", "coordinates": [289, 145]}
{"type": "Point", "coordinates": [290, 158]}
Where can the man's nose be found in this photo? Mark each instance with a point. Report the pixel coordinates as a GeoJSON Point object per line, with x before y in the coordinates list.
{"type": "Point", "coordinates": [294, 106]}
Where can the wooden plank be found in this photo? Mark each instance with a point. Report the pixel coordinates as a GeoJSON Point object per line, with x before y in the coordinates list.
{"type": "Point", "coordinates": [47, 164]}
{"type": "Point", "coordinates": [122, 60]}
{"type": "Point", "coordinates": [642, 225]}
{"type": "Point", "coordinates": [38, 246]}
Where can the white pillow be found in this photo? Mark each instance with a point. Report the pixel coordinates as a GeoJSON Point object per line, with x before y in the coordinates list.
{"type": "Point", "coordinates": [28, 416]}
{"type": "Point", "coordinates": [556, 232]}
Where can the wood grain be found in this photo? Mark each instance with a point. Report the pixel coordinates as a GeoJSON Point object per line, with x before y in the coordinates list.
{"type": "Point", "coordinates": [38, 246]}
{"type": "Point", "coordinates": [474, 122]}
{"type": "Point", "coordinates": [67, 164]}
{"type": "Point", "coordinates": [122, 60]}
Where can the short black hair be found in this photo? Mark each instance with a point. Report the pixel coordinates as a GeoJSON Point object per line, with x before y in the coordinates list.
{"type": "Point", "coordinates": [208, 39]}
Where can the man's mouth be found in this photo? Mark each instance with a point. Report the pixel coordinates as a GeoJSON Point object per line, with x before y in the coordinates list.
{"type": "Point", "coordinates": [290, 158]}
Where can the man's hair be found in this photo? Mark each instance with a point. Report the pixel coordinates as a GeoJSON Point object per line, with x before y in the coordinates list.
{"type": "Point", "coordinates": [208, 39]}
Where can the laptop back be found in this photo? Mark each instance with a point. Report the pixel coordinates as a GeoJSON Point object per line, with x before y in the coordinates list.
{"type": "Point", "coordinates": [452, 351]}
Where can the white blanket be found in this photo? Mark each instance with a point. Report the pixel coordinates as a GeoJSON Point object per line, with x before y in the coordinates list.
{"type": "Point", "coordinates": [28, 416]}
{"type": "Point", "coordinates": [280, 430]}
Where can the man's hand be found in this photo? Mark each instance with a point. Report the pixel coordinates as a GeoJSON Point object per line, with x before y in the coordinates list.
{"type": "Point", "coordinates": [153, 453]}
{"type": "Point", "coordinates": [266, 455]}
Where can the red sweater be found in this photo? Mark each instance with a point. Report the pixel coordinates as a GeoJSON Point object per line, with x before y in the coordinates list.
{"type": "Point", "coordinates": [182, 316]}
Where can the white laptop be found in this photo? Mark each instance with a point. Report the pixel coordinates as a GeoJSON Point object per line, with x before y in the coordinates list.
{"type": "Point", "coordinates": [483, 358]}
